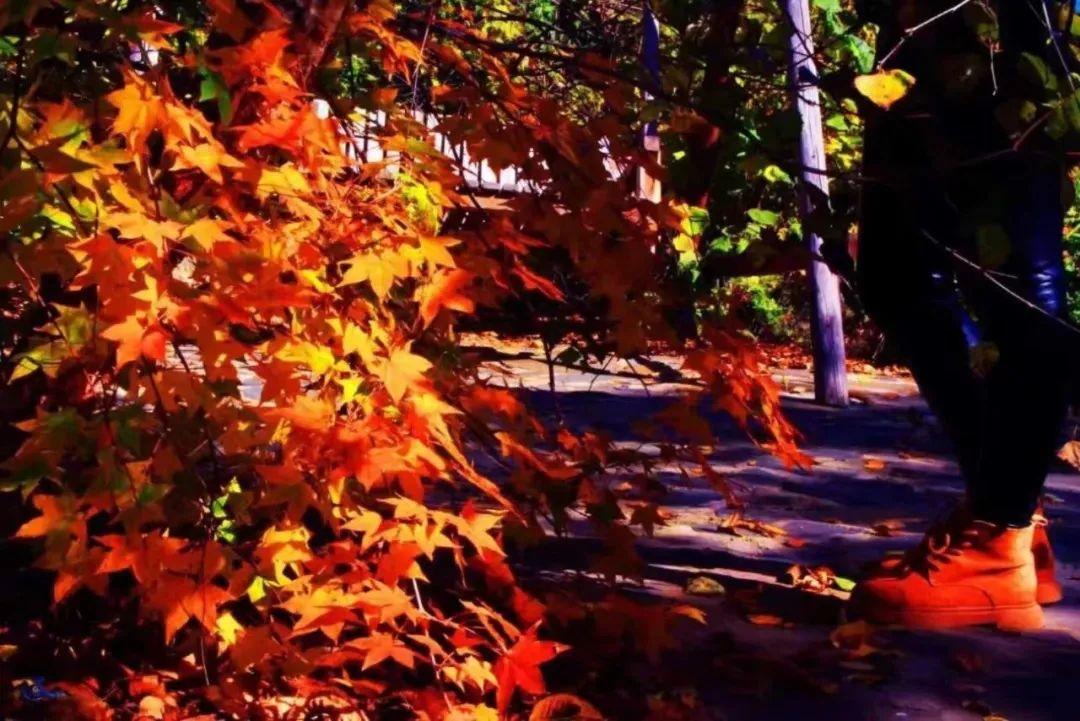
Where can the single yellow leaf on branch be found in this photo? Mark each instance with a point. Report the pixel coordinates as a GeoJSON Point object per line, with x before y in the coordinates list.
{"type": "Point", "coordinates": [885, 87]}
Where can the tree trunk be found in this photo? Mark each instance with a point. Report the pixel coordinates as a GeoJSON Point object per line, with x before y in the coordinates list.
{"type": "Point", "coordinates": [648, 186]}
{"type": "Point", "coordinates": [827, 328]}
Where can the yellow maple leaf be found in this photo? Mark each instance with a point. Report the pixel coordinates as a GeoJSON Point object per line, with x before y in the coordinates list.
{"type": "Point", "coordinates": [381, 271]}
{"type": "Point", "coordinates": [140, 111]}
{"type": "Point", "coordinates": [205, 232]}
{"type": "Point", "coordinates": [228, 629]}
{"type": "Point", "coordinates": [402, 370]}
{"type": "Point", "coordinates": [209, 158]}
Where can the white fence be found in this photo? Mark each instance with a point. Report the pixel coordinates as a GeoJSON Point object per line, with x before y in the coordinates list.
{"type": "Point", "coordinates": [363, 144]}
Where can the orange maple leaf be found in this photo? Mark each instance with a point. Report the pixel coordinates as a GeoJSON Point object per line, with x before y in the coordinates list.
{"type": "Point", "coordinates": [445, 291]}
{"type": "Point", "coordinates": [56, 514]}
{"type": "Point", "coordinates": [136, 341]}
{"type": "Point", "coordinates": [381, 646]}
{"type": "Point", "coordinates": [310, 414]}
{"type": "Point", "coordinates": [180, 599]}
{"type": "Point", "coordinates": [400, 562]}
{"type": "Point", "coordinates": [520, 667]}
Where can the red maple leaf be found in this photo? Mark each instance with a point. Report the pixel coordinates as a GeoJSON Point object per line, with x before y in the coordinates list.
{"type": "Point", "coordinates": [520, 667]}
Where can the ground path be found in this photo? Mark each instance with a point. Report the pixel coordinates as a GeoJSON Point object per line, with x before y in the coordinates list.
{"type": "Point", "coordinates": [882, 468]}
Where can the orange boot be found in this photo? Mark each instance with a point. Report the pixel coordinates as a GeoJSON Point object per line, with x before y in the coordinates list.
{"type": "Point", "coordinates": [979, 574]}
{"type": "Point", "coordinates": [896, 563]}
{"type": "Point", "coordinates": [1048, 590]}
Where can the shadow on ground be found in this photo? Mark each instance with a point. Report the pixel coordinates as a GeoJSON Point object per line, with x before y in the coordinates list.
{"type": "Point", "coordinates": [843, 513]}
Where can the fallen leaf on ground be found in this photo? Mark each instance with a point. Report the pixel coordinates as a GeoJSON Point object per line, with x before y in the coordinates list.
{"type": "Point", "coordinates": [843, 584]}
{"type": "Point", "coordinates": [873, 464]}
{"type": "Point", "coordinates": [854, 639]}
{"type": "Point", "coordinates": [692, 612]}
{"type": "Point", "coordinates": [815, 580]}
{"type": "Point", "coordinates": [886, 529]}
{"type": "Point", "coordinates": [765, 619]}
{"type": "Point", "coordinates": [705, 586]}
{"type": "Point", "coordinates": [735, 522]}
{"type": "Point", "coordinates": [1070, 453]}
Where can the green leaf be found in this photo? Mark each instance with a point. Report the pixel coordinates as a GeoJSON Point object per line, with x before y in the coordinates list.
{"type": "Point", "coordinates": [763, 217]}
{"type": "Point", "coordinates": [1071, 109]}
{"type": "Point", "coordinates": [698, 220]}
{"type": "Point", "coordinates": [26, 365]}
{"type": "Point", "coordinates": [76, 326]}
{"type": "Point", "coordinates": [226, 531]}
{"type": "Point", "coordinates": [1016, 115]}
{"type": "Point", "coordinates": [861, 52]}
{"type": "Point", "coordinates": [26, 477]}
{"type": "Point", "coordinates": [837, 122]}
{"type": "Point", "coordinates": [75, 323]}
{"type": "Point", "coordinates": [844, 584]}
{"type": "Point", "coordinates": [981, 18]}
{"type": "Point", "coordinates": [60, 218]}
{"type": "Point", "coordinates": [213, 88]}
{"type": "Point", "coordinates": [776, 174]}
{"type": "Point", "coordinates": [1035, 71]}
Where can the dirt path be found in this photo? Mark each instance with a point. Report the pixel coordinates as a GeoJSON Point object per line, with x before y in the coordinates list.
{"type": "Point", "coordinates": [882, 470]}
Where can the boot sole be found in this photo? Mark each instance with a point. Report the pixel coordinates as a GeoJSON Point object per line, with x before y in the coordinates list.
{"type": "Point", "coordinates": [1048, 593]}
{"type": "Point", "coordinates": [1026, 617]}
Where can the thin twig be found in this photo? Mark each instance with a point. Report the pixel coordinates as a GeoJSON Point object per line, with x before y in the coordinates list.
{"type": "Point", "coordinates": [909, 32]}
{"type": "Point", "coordinates": [1053, 41]}
{"type": "Point", "coordinates": [989, 278]}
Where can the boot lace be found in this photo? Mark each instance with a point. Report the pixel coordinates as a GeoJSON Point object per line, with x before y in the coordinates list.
{"type": "Point", "coordinates": [937, 536]}
{"type": "Point", "coordinates": [939, 548]}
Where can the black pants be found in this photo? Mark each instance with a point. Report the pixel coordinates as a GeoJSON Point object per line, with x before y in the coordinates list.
{"type": "Point", "coordinates": [993, 370]}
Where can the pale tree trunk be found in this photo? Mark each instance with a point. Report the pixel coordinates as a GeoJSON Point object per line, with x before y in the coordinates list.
{"type": "Point", "coordinates": [827, 328]}
{"type": "Point", "coordinates": [649, 187]}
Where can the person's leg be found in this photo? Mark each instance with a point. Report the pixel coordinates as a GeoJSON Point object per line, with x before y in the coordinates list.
{"type": "Point", "coordinates": [981, 568]}
{"type": "Point", "coordinates": [1004, 427]}
{"type": "Point", "coordinates": [1026, 388]}
{"type": "Point", "coordinates": [910, 291]}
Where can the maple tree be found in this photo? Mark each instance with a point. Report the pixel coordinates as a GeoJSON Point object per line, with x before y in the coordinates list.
{"type": "Point", "coordinates": [240, 405]}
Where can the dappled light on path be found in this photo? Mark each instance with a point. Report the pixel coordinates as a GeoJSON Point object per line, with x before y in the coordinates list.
{"type": "Point", "coordinates": [881, 472]}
